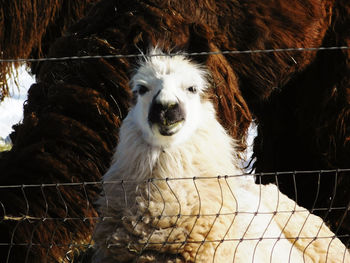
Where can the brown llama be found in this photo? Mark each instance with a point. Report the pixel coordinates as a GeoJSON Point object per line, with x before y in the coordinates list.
{"type": "Point", "coordinates": [28, 27]}
{"type": "Point", "coordinates": [73, 112]}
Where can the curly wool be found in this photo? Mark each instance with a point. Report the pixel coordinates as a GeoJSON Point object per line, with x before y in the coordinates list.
{"type": "Point", "coordinates": [73, 112]}
{"type": "Point", "coordinates": [200, 217]}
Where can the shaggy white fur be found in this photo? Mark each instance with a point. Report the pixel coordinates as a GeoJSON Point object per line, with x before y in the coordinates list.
{"type": "Point", "coordinates": [168, 194]}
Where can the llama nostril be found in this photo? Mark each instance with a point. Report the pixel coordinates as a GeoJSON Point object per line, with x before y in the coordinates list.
{"type": "Point", "coordinates": [165, 114]}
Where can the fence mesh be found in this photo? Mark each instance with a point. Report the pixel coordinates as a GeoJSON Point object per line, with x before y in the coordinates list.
{"type": "Point", "coordinates": [42, 215]}
{"type": "Point", "coordinates": [48, 206]}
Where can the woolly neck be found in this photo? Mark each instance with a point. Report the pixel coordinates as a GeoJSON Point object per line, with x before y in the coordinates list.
{"type": "Point", "coordinates": [137, 160]}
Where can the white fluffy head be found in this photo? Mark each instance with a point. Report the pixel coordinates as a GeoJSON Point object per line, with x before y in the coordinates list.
{"type": "Point", "coordinates": [168, 104]}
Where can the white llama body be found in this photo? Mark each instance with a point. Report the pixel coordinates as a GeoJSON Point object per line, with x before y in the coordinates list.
{"type": "Point", "coordinates": [204, 211]}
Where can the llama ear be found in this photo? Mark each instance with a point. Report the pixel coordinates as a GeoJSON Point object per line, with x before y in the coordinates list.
{"type": "Point", "coordinates": [198, 42]}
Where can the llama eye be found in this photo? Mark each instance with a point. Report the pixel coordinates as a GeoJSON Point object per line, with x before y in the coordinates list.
{"type": "Point", "coordinates": [192, 89]}
{"type": "Point", "coordinates": [142, 89]}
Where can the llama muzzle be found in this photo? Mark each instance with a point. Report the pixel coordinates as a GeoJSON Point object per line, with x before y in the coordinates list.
{"type": "Point", "coordinates": [168, 116]}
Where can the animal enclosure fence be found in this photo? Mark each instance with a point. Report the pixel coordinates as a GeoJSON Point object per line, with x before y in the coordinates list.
{"type": "Point", "coordinates": [223, 52]}
{"type": "Point", "coordinates": [44, 215]}
{"type": "Point", "coordinates": [62, 214]}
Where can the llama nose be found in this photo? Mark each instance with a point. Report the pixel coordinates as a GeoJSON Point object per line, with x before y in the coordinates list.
{"type": "Point", "coordinates": [165, 114]}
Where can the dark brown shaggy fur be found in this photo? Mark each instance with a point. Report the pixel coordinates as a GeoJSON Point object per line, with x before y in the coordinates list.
{"type": "Point", "coordinates": [74, 111]}
{"type": "Point", "coordinates": [28, 27]}
{"type": "Point", "coordinates": [305, 125]}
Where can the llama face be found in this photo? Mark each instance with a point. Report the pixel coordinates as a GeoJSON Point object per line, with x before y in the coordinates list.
{"type": "Point", "coordinates": [168, 104]}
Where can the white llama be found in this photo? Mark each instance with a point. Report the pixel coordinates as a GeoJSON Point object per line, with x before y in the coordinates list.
{"type": "Point", "coordinates": [173, 192]}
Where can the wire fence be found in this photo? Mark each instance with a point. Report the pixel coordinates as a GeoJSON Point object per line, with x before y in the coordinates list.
{"type": "Point", "coordinates": [224, 52]}
{"type": "Point", "coordinates": [167, 190]}
{"type": "Point", "coordinates": [172, 212]}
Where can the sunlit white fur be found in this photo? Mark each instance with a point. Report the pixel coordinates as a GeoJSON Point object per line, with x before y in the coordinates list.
{"type": "Point", "coordinates": [233, 216]}
{"type": "Point", "coordinates": [171, 76]}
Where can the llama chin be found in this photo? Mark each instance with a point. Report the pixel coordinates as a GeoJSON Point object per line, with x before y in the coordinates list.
{"type": "Point", "coordinates": [181, 196]}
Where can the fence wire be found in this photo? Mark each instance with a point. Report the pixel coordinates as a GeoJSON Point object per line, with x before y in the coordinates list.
{"type": "Point", "coordinates": [168, 191]}
{"type": "Point", "coordinates": [28, 194]}
{"type": "Point", "coordinates": [224, 52]}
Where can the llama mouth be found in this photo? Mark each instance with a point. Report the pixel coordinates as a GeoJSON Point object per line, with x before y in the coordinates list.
{"type": "Point", "coordinates": [170, 129]}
